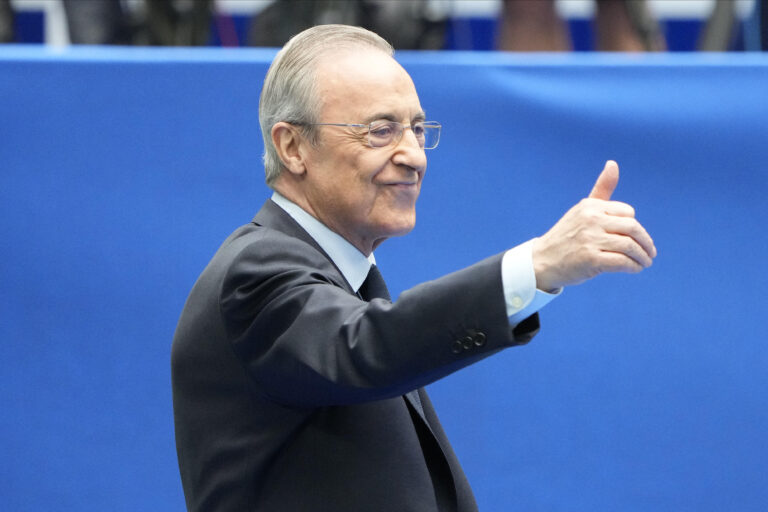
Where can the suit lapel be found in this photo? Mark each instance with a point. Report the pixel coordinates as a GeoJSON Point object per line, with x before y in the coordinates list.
{"type": "Point", "coordinates": [274, 217]}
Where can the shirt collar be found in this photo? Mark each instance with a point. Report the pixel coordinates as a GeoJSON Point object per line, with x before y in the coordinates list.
{"type": "Point", "coordinates": [353, 264]}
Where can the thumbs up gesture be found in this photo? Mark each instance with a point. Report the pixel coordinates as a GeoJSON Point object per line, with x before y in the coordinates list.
{"type": "Point", "coordinates": [597, 235]}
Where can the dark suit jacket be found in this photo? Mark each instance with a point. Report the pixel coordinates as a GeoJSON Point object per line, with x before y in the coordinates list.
{"type": "Point", "coordinates": [288, 388]}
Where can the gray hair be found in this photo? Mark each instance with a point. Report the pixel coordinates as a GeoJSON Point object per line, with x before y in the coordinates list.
{"type": "Point", "coordinates": [289, 92]}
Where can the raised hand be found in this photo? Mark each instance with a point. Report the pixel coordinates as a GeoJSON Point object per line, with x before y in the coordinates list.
{"type": "Point", "coordinates": [597, 235]}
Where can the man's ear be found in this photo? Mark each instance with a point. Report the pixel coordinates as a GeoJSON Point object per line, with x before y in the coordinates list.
{"type": "Point", "coordinates": [288, 144]}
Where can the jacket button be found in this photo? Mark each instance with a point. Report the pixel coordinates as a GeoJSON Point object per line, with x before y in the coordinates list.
{"type": "Point", "coordinates": [457, 347]}
{"type": "Point", "coordinates": [467, 342]}
{"type": "Point", "coordinates": [479, 338]}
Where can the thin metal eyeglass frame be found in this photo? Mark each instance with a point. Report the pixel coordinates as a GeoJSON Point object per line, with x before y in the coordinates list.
{"type": "Point", "coordinates": [395, 139]}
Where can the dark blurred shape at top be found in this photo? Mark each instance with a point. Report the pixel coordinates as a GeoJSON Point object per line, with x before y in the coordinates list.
{"type": "Point", "coordinates": [178, 22]}
{"type": "Point", "coordinates": [155, 22]}
{"type": "Point", "coordinates": [7, 33]}
{"type": "Point", "coordinates": [621, 26]}
{"type": "Point", "coordinates": [97, 22]}
{"type": "Point", "coordinates": [406, 25]}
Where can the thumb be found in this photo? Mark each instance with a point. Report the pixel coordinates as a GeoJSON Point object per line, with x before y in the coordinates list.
{"type": "Point", "coordinates": [606, 182]}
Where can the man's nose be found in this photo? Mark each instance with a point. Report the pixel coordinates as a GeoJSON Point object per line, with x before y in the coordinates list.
{"type": "Point", "coordinates": [409, 152]}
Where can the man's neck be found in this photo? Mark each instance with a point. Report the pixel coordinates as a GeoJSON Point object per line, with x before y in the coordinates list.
{"type": "Point", "coordinates": [290, 191]}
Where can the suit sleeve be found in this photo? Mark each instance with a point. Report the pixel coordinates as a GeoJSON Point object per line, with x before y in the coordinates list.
{"type": "Point", "coordinates": [307, 341]}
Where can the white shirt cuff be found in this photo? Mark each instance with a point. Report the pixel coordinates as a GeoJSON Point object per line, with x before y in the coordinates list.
{"type": "Point", "coordinates": [519, 282]}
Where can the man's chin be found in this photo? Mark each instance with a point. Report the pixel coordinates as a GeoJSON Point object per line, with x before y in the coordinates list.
{"type": "Point", "coordinates": [402, 229]}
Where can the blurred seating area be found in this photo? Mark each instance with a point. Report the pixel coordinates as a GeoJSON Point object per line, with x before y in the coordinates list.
{"type": "Point", "coordinates": [513, 25]}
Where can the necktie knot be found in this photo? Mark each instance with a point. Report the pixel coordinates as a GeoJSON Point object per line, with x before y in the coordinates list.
{"type": "Point", "coordinates": [374, 286]}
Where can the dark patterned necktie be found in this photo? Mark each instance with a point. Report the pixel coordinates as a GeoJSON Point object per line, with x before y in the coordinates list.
{"type": "Point", "coordinates": [374, 286]}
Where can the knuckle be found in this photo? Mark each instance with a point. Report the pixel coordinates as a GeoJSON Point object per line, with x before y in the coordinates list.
{"type": "Point", "coordinates": [626, 209]}
{"type": "Point", "coordinates": [592, 215]}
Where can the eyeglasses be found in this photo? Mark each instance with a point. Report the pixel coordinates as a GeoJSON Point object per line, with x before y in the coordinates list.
{"type": "Point", "coordinates": [384, 133]}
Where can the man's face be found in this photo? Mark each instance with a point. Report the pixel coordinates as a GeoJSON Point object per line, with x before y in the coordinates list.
{"type": "Point", "coordinates": [365, 194]}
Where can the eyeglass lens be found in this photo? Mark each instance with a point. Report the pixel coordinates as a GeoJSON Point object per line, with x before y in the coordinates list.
{"type": "Point", "coordinates": [385, 133]}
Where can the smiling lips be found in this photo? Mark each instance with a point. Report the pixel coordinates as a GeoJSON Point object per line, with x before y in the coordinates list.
{"type": "Point", "coordinates": [407, 188]}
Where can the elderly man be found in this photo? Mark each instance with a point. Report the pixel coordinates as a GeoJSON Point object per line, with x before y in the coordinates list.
{"type": "Point", "coordinates": [297, 383]}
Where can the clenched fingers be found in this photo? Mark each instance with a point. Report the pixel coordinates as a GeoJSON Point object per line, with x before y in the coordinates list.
{"type": "Point", "coordinates": [629, 247]}
{"type": "Point", "coordinates": [618, 262]}
{"type": "Point", "coordinates": [630, 227]}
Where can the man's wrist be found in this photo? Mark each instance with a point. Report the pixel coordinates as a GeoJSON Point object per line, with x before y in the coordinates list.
{"type": "Point", "coordinates": [519, 282]}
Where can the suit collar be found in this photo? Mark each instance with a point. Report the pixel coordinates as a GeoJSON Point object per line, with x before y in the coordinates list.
{"type": "Point", "coordinates": [273, 216]}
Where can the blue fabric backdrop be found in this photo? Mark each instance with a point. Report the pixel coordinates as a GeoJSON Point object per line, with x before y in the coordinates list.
{"type": "Point", "coordinates": [122, 170]}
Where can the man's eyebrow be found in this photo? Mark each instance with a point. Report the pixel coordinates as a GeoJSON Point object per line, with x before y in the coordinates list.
{"type": "Point", "coordinates": [421, 116]}
{"type": "Point", "coordinates": [380, 117]}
